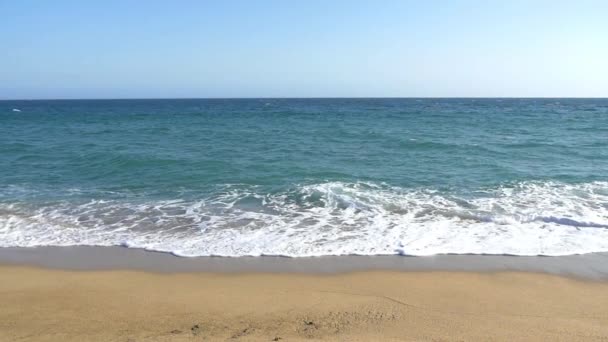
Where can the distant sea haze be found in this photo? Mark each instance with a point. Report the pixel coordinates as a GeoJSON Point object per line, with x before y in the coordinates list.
{"type": "Point", "coordinates": [307, 177]}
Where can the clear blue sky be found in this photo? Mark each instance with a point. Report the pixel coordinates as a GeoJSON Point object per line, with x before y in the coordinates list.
{"type": "Point", "coordinates": [302, 48]}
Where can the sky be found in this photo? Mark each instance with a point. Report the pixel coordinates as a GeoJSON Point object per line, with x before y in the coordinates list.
{"type": "Point", "coordinates": [303, 48]}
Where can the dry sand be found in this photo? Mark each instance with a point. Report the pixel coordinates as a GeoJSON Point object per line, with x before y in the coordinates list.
{"type": "Point", "coordinates": [53, 305]}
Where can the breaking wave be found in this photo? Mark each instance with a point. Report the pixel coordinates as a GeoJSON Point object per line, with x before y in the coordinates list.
{"type": "Point", "coordinates": [335, 218]}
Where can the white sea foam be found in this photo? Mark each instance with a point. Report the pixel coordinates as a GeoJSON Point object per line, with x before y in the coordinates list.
{"type": "Point", "coordinates": [331, 219]}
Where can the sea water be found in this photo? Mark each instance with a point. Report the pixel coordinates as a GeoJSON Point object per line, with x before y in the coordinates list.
{"type": "Point", "coordinates": [307, 177]}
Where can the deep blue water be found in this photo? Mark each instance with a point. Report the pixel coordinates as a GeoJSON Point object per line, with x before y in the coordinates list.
{"type": "Point", "coordinates": [307, 176]}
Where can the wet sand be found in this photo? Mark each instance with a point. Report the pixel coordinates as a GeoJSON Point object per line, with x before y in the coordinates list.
{"type": "Point", "coordinates": [592, 266]}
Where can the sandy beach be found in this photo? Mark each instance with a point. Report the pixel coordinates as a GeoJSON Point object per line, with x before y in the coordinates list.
{"type": "Point", "coordinates": [41, 304]}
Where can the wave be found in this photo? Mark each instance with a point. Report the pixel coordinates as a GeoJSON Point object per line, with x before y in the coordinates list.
{"type": "Point", "coordinates": [334, 218]}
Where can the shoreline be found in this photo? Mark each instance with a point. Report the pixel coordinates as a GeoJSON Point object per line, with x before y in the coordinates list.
{"type": "Point", "coordinates": [593, 266]}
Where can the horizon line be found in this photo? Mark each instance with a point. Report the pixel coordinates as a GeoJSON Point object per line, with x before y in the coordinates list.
{"type": "Point", "coordinates": [304, 98]}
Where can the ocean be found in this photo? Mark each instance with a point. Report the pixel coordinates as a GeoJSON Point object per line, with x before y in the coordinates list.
{"type": "Point", "coordinates": [307, 177]}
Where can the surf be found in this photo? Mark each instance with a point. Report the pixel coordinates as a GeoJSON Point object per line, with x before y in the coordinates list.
{"type": "Point", "coordinates": [333, 218]}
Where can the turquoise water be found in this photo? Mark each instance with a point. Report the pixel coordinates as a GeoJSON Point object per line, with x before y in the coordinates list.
{"type": "Point", "coordinates": [302, 177]}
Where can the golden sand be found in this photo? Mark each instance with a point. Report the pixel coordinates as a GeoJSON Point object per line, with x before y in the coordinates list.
{"type": "Point", "coordinates": [52, 305]}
